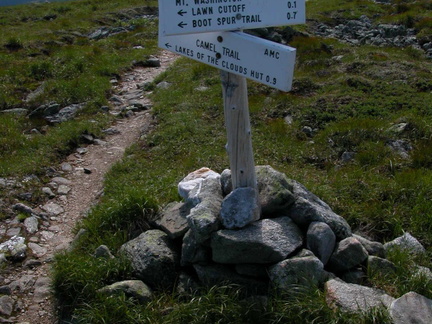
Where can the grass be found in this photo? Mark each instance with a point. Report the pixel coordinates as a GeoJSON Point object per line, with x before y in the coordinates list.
{"type": "Point", "coordinates": [55, 59]}
{"type": "Point", "coordinates": [350, 96]}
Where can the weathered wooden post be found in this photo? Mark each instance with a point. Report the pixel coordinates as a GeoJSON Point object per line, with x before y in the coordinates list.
{"type": "Point", "coordinates": [237, 123]}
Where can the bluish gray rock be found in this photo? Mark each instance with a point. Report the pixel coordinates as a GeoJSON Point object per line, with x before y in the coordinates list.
{"type": "Point", "coordinates": [348, 254]}
{"type": "Point", "coordinates": [3, 260]}
{"type": "Point", "coordinates": [14, 249]}
{"type": "Point", "coordinates": [193, 180]}
{"type": "Point", "coordinates": [354, 298]}
{"type": "Point", "coordinates": [204, 220]}
{"type": "Point", "coordinates": [263, 242]}
{"type": "Point", "coordinates": [240, 208]}
{"type": "Point", "coordinates": [31, 224]}
{"type": "Point", "coordinates": [309, 208]}
{"type": "Point", "coordinates": [42, 289]}
{"type": "Point", "coordinates": [103, 251]}
{"type": "Point", "coordinates": [423, 273]}
{"type": "Point", "coordinates": [321, 240]}
{"type": "Point", "coordinates": [20, 207]}
{"type": "Point", "coordinates": [153, 258]}
{"type": "Point", "coordinates": [411, 308]}
{"type": "Point", "coordinates": [47, 191]}
{"type": "Point", "coordinates": [173, 220]}
{"type": "Point", "coordinates": [407, 243]}
{"type": "Point", "coordinates": [131, 288]}
{"type": "Point", "coordinates": [401, 147]}
{"type": "Point", "coordinates": [63, 189]}
{"type": "Point", "coordinates": [307, 270]}
{"type": "Point", "coordinates": [275, 191]}
{"type": "Point", "coordinates": [6, 305]}
{"type": "Point", "coordinates": [15, 111]}
{"type": "Point", "coordinates": [53, 209]}
{"type": "Point", "coordinates": [61, 181]}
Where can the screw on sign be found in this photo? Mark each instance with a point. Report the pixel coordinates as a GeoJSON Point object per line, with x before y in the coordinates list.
{"type": "Point", "coordinates": [208, 31]}
{"type": "Point", "coordinates": [198, 16]}
{"type": "Point", "coordinates": [239, 53]}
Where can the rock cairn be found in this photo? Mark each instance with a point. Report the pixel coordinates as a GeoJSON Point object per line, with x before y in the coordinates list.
{"type": "Point", "coordinates": [299, 240]}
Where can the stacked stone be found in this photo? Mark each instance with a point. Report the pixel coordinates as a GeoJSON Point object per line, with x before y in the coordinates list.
{"type": "Point", "coordinates": [213, 237]}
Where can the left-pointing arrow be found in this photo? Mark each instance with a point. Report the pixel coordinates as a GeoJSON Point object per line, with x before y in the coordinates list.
{"type": "Point", "coordinates": [182, 24]}
{"type": "Point", "coordinates": [167, 45]}
{"type": "Point", "coordinates": [182, 12]}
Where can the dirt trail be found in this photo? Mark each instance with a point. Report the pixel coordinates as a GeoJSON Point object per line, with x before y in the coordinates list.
{"type": "Point", "coordinates": [86, 174]}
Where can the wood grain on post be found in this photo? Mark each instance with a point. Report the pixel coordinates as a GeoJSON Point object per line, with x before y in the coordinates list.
{"type": "Point", "coordinates": [238, 127]}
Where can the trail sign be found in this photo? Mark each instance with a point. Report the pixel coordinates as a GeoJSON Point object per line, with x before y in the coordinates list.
{"type": "Point", "coordinates": [198, 16]}
{"type": "Point", "coordinates": [239, 53]}
{"type": "Point", "coordinates": [208, 31]}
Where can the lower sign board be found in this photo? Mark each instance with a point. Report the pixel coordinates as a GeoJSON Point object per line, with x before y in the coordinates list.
{"type": "Point", "coordinates": [239, 53]}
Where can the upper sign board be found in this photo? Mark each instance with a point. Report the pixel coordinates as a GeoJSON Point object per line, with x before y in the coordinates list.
{"type": "Point", "coordinates": [239, 53]}
{"type": "Point", "coordinates": [200, 16]}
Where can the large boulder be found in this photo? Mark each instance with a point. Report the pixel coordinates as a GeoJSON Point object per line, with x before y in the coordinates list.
{"type": "Point", "coordinates": [31, 224]}
{"type": "Point", "coordinates": [240, 208]}
{"type": "Point", "coordinates": [307, 270]}
{"type": "Point", "coordinates": [321, 240]}
{"type": "Point", "coordinates": [354, 298]}
{"type": "Point", "coordinates": [348, 254]}
{"type": "Point", "coordinates": [411, 308]}
{"type": "Point", "coordinates": [153, 258]}
{"type": "Point", "coordinates": [263, 242]}
{"type": "Point", "coordinates": [195, 179]}
{"type": "Point", "coordinates": [275, 191]}
{"type": "Point", "coordinates": [204, 219]}
{"type": "Point", "coordinates": [309, 208]}
{"type": "Point", "coordinates": [173, 220]}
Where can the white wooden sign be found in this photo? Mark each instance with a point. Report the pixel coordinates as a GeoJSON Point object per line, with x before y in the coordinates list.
{"type": "Point", "coordinates": [198, 16]}
{"type": "Point", "coordinates": [254, 58]}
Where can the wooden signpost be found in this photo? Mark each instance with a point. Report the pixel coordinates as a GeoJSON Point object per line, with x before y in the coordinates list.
{"type": "Point", "coordinates": [208, 31]}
